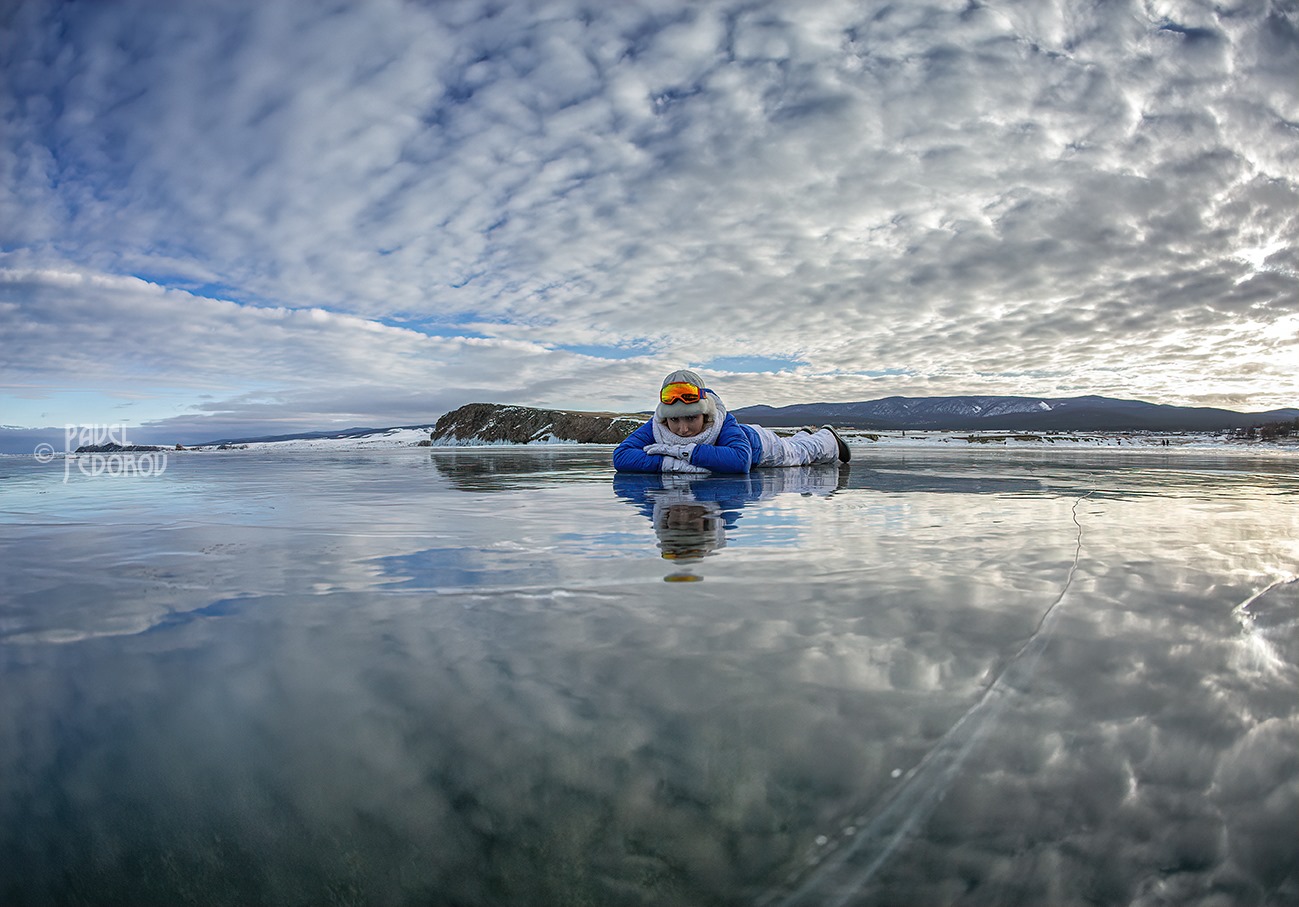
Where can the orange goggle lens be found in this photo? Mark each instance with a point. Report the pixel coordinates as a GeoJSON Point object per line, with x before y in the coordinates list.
{"type": "Point", "coordinates": [680, 392]}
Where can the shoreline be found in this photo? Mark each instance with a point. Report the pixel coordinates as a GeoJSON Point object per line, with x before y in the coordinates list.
{"type": "Point", "coordinates": [859, 440]}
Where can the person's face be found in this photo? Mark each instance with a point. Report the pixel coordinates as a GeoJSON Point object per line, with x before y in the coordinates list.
{"type": "Point", "coordinates": [686, 426]}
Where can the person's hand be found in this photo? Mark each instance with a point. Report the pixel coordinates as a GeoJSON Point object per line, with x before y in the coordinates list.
{"type": "Point", "coordinates": [679, 451]}
{"type": "Point", "coordinates": [672, 464]}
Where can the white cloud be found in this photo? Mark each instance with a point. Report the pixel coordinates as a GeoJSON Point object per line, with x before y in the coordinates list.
{"type": "Point", "coordinates": [928, 189]}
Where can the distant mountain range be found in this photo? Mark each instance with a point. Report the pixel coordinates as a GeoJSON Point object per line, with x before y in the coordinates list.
{"type": "Point", "coordinates": [1089, 413]}
{"type": "Point", "coordinates": [896, 413]}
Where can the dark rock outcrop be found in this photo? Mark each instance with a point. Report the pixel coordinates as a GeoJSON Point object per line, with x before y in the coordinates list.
{"type": "Point", "coordinates": [496, 423]}
{"type": "Point", "coordinates": [117, 448]}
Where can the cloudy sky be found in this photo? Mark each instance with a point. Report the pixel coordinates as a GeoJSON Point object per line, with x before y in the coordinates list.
{"type": "Point", "coordinates": [262, 216]}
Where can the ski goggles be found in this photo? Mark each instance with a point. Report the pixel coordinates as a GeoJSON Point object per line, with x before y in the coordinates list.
{"type": "Point", "coordinates": [680, 392]}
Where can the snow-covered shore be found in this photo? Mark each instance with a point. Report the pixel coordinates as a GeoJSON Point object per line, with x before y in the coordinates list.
{"type": "Point", "coordinates": [1156, 442]}
{"type": "Point", "coordinates": [389, 438]}
{"type": "Point", "coordinates": [1069, 441]}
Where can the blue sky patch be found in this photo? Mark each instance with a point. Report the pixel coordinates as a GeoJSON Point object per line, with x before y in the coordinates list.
{"type": "Point", "coordinates": [605, 351]}
{"type": "Point", "coordinates": [752, 364]}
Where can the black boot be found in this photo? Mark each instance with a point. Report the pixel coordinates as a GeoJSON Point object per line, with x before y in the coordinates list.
{"type": "Point", "coordinates": [844, 453]}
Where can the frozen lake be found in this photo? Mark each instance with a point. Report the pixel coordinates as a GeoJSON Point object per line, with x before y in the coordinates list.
{"type": "Point", "coordinates": [459, 677]}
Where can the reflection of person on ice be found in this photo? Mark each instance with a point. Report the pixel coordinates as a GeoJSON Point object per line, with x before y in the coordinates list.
{"type": "Point", "coordinates": [691, 431]}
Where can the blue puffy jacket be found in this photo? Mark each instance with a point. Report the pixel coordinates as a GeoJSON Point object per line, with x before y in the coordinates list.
{"type": "Point", "coordinates": [736, 450]}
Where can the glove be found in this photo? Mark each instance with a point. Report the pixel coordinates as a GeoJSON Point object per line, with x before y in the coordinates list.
{"type": "Point", "coordinates": [671, 464]}
{"type": "Point", "coordinates": [680, 451]}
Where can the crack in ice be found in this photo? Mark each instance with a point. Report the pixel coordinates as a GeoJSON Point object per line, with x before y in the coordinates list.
{"type": "Point", "coordinates": [875, 837]}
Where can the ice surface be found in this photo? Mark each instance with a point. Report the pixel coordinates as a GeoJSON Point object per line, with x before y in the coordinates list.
{"type": "Point", "coordinates": [457, 676]}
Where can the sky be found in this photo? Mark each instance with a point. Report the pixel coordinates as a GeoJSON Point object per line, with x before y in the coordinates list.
{"type": "Point", "coordinates": [263, 216]}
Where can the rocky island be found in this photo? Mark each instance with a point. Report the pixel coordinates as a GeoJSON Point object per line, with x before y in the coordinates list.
{"type": "Point", "coordinates": [495, 423]}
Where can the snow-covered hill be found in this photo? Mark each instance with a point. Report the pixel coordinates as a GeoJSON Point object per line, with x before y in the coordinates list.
{"type": "Point", "coordinates": [979, 413]}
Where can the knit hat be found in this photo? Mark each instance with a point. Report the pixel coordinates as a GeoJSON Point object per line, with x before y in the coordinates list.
{"type": "Point", "coordinates": [704, 405]}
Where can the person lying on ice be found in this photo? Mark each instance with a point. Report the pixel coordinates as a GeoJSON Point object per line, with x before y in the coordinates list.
{"type": "Point", "coordinates": [691, 431]}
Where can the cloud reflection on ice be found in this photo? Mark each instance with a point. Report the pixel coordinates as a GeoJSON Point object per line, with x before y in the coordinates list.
{"type": "Point", "coordinates": [460, 678]}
